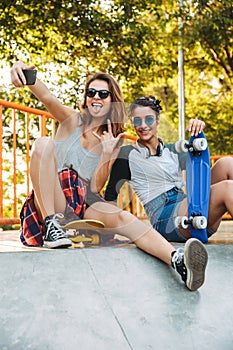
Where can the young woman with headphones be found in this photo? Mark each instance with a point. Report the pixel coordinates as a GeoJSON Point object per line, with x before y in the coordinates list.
{"type": "Point", "coordinates": [154, 170]}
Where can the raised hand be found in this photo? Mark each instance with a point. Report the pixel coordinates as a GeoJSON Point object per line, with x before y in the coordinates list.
{"type": "Point", "coordinates": [195, 126]}
{"type": "Point", "coordinates": [108, 141]}
{"type": "Point", "coordinates": [17, 76]}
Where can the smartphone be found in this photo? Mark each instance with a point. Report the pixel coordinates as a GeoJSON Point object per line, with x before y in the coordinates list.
{"type": "Point", "coordinates": [30, 76]}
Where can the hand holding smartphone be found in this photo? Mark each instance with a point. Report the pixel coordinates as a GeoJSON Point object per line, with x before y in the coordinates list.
{"type": "Point", "coordinates": [30, 76]}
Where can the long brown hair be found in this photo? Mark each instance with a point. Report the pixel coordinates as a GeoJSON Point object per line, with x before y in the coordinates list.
{"type": "Point", "coordinates": [117, 114]}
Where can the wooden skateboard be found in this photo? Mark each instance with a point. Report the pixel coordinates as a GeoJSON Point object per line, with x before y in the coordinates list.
{"type": "Point", "coordinates": [83, 231]}
{"type": "Point", "coordinates": [197, 185]}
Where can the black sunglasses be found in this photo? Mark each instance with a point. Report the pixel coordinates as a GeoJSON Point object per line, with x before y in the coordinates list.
{"type": "Point", "coordinates": [90, 92]}
{"type": "Point", "coordinates": [149, 120]}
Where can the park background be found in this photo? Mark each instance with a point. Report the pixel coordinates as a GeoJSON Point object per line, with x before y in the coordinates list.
{"type": "Point", "coordinates": [135, 41]}
{"type": "Point", "coordinates": [120, 298]}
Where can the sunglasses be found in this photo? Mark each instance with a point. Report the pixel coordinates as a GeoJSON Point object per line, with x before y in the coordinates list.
{"type": "Point", "coordinates": [103, 94]}
{"type": "Point", "coordinates": [149, 120]}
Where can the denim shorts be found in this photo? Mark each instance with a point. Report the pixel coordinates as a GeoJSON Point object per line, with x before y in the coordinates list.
{"type": "Point", "coordinates": [162, 212]}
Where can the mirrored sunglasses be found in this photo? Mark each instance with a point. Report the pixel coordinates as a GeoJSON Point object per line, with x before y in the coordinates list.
{"type": "Point", "coordinates": [149, 120]}
{"type": "Point", "coordinates": [91, 92]}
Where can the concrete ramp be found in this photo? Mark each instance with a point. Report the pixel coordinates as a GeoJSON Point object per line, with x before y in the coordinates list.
{"type": "Point", "coordinates": [112, 299]}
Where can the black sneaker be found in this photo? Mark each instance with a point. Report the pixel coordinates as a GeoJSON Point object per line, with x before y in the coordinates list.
{"type": "Point", "coordinates": [191, 262]}
{"type": "Point", "coordinates": [55, 237]}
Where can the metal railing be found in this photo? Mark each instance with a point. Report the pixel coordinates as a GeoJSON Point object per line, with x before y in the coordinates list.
{"type": "Point", "coordinates": [14, 163]}
{"type": "Point", "coordinates": [19, 126]}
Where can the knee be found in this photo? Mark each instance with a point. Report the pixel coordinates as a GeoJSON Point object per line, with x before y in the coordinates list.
{"type": "Point", "coordinates": [123, 217]}
{"type": "Point", "coordinates": [225, 163]}
{"type": "Point", "coordinates": [223, 189]}
{"type": "Point", "coordinates": [225, 160]}
{"type": "Point", "coordinates": [42, 147]}
{"type": "Point", "coordinates": [228, 187]}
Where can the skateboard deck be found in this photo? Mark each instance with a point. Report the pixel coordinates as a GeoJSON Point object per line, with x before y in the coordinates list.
{"type": "Point", "coordinates": [88, 224]}
{"type": "Point", "coordinates": [197, 186]}
{"type": "Point", "coordinates": [83, 231]}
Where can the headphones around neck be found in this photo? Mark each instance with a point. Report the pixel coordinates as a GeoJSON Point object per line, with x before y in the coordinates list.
{"type": "Point", "coordinates": [145, 151]}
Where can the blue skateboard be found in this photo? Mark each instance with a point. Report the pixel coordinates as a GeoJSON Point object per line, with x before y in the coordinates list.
{"type": "Point", "coordinates": [197, 186]}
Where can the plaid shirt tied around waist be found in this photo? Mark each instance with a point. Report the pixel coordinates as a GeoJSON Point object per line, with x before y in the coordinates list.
{"type": "Point", "coordinates": [74, 189]}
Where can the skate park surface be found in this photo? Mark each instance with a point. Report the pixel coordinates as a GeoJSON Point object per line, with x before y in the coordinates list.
{"type": "Point", "coordinates": [113, 298]}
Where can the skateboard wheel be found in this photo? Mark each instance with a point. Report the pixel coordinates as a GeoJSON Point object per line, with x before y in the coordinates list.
{"type": "Point", "coordinates": [199, 222]}
{"type": "Point", "coordinates": [181, 146]}
{"type": "Point", "coordinates": [200, 144]}
{"type": "Point", "coordinates": [95, 239]}
{"type": "Point", "coordinates": [181, 221]}
{"type": "Point", "coordinates": [177, 221]}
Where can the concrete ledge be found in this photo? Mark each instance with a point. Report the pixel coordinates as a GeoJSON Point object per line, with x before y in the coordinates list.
{"type": "Point", "coordinates": [116, 299]}
{"type": "Point", "coordinates": [9, 240]}
{"type": "Point", "coordinates": [224, 234]}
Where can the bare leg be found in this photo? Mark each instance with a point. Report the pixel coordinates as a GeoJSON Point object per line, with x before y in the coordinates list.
{"type": "Point", "coordinates": [49, 197]}
{"type": "Point", "coordinates": [221, 200]}
{"type": "Point", "coordinates": [126, 224]}
{"type": "Point", "coordinates": [222, 170]}
{"type": "Point", "coordinates": [190, 263]}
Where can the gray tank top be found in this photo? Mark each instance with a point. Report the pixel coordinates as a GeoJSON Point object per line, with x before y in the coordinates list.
{"type": "Point", "coordinates": [71, 153]}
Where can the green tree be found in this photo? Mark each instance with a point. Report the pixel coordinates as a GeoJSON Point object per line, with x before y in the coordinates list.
{"type": "Point", "coordinates": [137, 42]}
{"type": "Point", "coordinates": [212, 27]}
{"type": "Point", "coordinates": [208, 40]}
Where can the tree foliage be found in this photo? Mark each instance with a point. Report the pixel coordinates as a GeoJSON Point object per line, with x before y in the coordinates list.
{"type": "Point", "coordinates": [137, 42]}
{"type": "Point", "coordinates": [212, 26]}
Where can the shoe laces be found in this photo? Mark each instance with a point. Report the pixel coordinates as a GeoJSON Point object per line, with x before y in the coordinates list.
{"type": "Point", "coordinates": [54, 228]}
{"type": "Point", "coordinates": [178, 263]}
{"type": "Point", "coordinates": [178, 256]}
